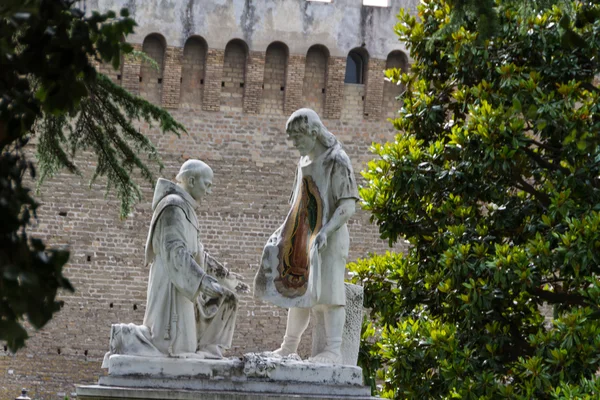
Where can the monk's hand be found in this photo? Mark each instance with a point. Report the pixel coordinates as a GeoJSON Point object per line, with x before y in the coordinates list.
{"type": "Point", "coordinates": [241, 287]}
{"type": "Point", "coordinates": [210, 287]}
{"type": "Point", "coordinates": [236, 282]}
{"type": "Point", "coordinates": [320, 241]}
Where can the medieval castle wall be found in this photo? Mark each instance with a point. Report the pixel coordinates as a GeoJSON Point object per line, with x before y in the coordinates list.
{"type": "Point", "coordinates": [231, 71]}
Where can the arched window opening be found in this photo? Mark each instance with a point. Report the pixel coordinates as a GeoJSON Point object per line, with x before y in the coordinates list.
{"type": "Point", "coordinates": [396, 59]}
{"type": "Point", "coordinates": [276, 60]}
{"type": "Point", "coordinates": [192, 71]}
{"type": "Point", "coordinates": [234, 72]}
{"type": "Point", "coordinates": [151, 78]}
{"type": "Point", "coordinates": [356, 64]}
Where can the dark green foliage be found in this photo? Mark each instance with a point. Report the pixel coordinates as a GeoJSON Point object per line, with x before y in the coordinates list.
{"type": "Point", "coordinates": [482, 11]}
{"type": "Point", "coordinates": [50, 88]}
{"type": "Point", "coordinates": [31, 274]}
{"type": "Point", "coordinates": [495, 183]}
{"type": "Point", "coordinates": [103, 125]}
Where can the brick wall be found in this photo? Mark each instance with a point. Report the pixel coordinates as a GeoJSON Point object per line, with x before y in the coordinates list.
{"type": "Point", "coordinates": [192, 72]}
{"type": "Point", "coordinates": [115, 75]}
{"type": "Point", "coordinates": [171, 81]}
{"type": "Point", "coordinates": [255, 70]}
{"type": "Point", "coordinates": [336, 67]}
{"type": "Point", "coordinates": [374, 89]}
{"type": "Point", "coordinates": [234, 68]}
{"type": "Point", "coordinates": [254, 169]}
{"type": "Point", "coordinates": [151, 78]}
{"type": "Point", "coordinates": [131, 72]}
{"type": "Point", "coordinates": [315, 73]}
{"type": "Point", "coordinates": [294, 82]}
{"type": "Point", "coordinates": [353, 102]}
{"type": "Point", "coordinates": [211, 98]}
{"type": "Point", "coordinates": [274, 80]}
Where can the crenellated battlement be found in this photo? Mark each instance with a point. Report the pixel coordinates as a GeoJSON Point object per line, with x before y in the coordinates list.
{"type": "Point", "coordinates": [223, 56]}
{"type": "Point", "coordinates": [254, 82]}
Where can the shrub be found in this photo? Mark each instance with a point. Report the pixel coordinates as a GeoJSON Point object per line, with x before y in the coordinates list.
{"type": "Point", "coordinates": [494, 179]}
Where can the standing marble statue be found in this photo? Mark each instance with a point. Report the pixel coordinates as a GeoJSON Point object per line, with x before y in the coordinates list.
{"type": "Point", "coordinates": [304, 261]}
{"type": "Point", "coordinates": [191, 306]}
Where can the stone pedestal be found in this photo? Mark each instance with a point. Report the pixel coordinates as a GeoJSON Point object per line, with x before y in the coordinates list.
{"type": "Point", "coordinates": [255, 376]}
{"type": "Point", "coordinates": [352, 327]}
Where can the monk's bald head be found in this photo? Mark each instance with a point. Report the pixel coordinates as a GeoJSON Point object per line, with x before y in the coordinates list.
{"type": "Point", "coordinates": [196, 178]}
{"type": "Point", "coordinates": [193, 167]}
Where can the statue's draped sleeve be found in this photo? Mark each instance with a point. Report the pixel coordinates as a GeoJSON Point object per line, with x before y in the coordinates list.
{"type": "Point", "coordinates": [343, 182]}
{"type": "Point", "coordinates": [169, 236]}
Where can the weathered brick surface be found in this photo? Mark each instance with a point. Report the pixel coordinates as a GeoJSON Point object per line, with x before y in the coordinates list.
{"type": "Point", "coordinates": [254, 81]}
{"type": "Point", "coordinates": [211, 99]}
{"type": "Point", "coordinates": [171, 86]}
{"type": "Point", "coordinates": [294, 82]}
{"type": "Point", "coordinates": [315, 79]}
{"type": "Point", "coordinates": [115, 75]}
{"type": "Point", "coordinates": [192, 73]}
{"type": "Point", "coordinates": [233, 79]}
{"type": "Point", "coordinates": [254, 170]}
{"type": "Point", "coordinates": [353, 102]}
{"type": "Point", "coordinates": [131, 72]}
{"type": "Point", "coordinates": [374, 89]}
{"type": "Point", "coordinates": [273, 82]}
{"type": "Point", "coordinates": [336, 69]}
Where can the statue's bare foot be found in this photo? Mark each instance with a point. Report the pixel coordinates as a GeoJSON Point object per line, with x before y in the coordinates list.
{"type": "Point", "coordinates": [282, 352]}
{"type": "Point", "coordinates": [327, 357]}
{"type": "Point", "coordinates": [210, 351]}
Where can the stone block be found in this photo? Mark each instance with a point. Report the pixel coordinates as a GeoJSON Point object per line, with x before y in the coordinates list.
{"type": "Point", "coordinates": [255, 376]}
{"type": "Point", "coordinates": [352, 327]}
{"type": "Point", "coordinates": [95, 392]}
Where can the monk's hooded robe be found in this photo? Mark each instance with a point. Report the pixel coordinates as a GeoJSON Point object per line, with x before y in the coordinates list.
{"type": "Point", "coordinates": [178, 319]}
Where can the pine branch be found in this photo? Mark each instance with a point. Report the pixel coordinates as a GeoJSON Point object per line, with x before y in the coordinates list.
{"type": "Point", "coordinates": [105, 123]}
{"type": "Point", "coordinates": [49, 150]}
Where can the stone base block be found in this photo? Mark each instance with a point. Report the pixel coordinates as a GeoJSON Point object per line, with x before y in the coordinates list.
{"type": "Point", "coordinates": [97, 392]}
{"type": "Point", "coordinates": [255, 376]}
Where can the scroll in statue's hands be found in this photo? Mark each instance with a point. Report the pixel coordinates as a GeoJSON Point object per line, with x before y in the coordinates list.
{"type": "Point", "coordinates": [210, 287]}
{"type": "Point", "coordinates": [233, 282]}
{"type": "Point", "coordinates": [226, 278]}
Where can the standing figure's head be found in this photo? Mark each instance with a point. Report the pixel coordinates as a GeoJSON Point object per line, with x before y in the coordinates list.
{"type": "Point", "coordinates": [304, 128]}
{"type": "Point", "coordinates": [195, 177]}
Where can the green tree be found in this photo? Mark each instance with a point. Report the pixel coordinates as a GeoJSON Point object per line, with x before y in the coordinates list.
{"type": "Point", "coordinates": [49, 88]}
{"type": "Point", "coordinates": [494, 179]}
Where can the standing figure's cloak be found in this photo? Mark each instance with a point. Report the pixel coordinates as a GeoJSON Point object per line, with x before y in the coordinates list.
{"type": "Point", "coordinates": [292, 272]}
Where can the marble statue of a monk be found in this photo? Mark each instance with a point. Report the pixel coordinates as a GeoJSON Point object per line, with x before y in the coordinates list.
{"type": "Point", "coordinates": [304, 261]}
{"type": "Point", "coordinates": [191, 306]}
